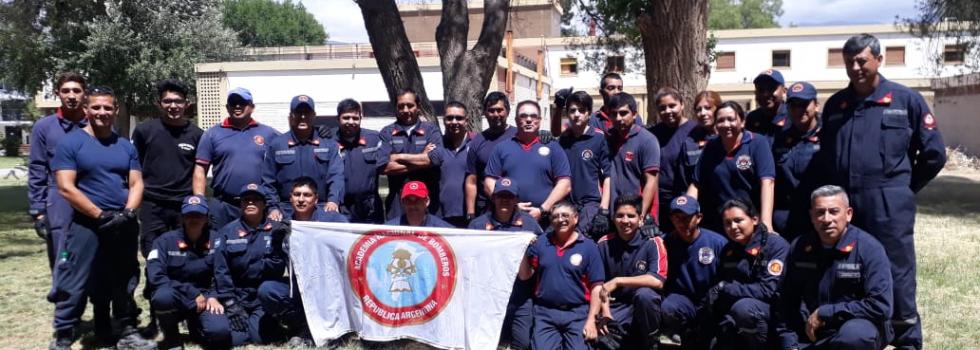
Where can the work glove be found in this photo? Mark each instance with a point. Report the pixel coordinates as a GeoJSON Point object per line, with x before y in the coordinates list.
{"type": "Point", "coordinates": [545, 137]}
{"type": "Point", "coordinates": [711, 297]}
{"type": "Point", "coordinates": [111, 220]}
{"type": "Point", "coordinates": [561, 96]}
{"type": "Point", "coordinates": [326, 132]}
{"type": "Point", "coordinates": [237, 316]}
{"type": "Point", "coordinates": [613, 338]}
{"type": "Point", "coordinates": [279, 233]}
{"type": "Point", "coordinates": [649, 228]}
{"type": "Point", "coordinates": [41, 228]}
{"type": "Point", "coordinates": [600, 224]}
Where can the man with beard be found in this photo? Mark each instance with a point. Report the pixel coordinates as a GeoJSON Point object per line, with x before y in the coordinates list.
{"type": "Point", "coordinates": [770, 116]}
{"type": "Point", "coordinates": [364, 156]}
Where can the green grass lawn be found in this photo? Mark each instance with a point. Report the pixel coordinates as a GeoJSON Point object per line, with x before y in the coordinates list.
{"type": "Point", "coordinates": [947, 238]}
{"type": "Point", "coordinates": [10, 162]}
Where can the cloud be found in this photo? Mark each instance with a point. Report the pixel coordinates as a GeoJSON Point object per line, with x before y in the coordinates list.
{"type": "Point", "coordinates": [340, 18]}
{"type": "Point", "coordinates": [837, 12]}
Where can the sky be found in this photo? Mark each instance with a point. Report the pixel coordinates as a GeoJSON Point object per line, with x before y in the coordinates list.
{"type": "Point", "coordinates": [342, 18]}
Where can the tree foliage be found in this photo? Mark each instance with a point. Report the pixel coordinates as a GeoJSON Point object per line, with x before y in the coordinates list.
{"type": "Point", "coordinates": [949, 22]}
{"type": "Point", "coordinates": [272, 23]}
{"type": "Point", "coordinates": [744, 14]}
{"type": "Point", "coordinates": [124, 44]}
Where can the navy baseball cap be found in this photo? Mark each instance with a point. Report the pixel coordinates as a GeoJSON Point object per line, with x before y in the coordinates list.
{"type": "Point", "coordinates": [801, 91]}
{"type": "Point", "coordinates": [769, 74]}
{"type": "Point", "coordinates": [194, 204]}
{"type": "Point", "coordinates": [685, 204]}
{"type": "Point", "coordinates": [301, 100]}
{"type": "Point", "coordinates": [505, 184]}
{"type": "Point", "coordinates": [252, 187]}
{"type": "Point", "coordinates": [241, 92]}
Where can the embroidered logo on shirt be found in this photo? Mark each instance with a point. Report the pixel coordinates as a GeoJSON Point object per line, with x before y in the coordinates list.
{"type": "Point", "coordinates": [544, 151]}
{"type": "Point", "coordinates": [706, 255]}
{"type": "Point", "coordinates": [744, 162]}
{"type": "Point", "coordinates": [185, 146]}
{"type": "Point", "coordinates": [259, 140]}
{"type": "Point", "coordinates": [587, 154]}
{"type": "Point", "coordinates": [641, 266]}
{"type": "Point", "coordinates": [575, 259]}
{"type": "Point", "coordinates": [628, 156]}
{"type": "Point", "coordinates": [929, 122]}
{"type": "Point", "coordinates": [775, 267]}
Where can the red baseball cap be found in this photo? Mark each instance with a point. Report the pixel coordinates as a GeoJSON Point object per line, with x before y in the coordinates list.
{"type": "Point", "coordinates": [415, 188]}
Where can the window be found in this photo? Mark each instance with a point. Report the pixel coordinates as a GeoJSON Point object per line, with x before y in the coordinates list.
{"type": "Point", "coordinates": [895, 56]}
{"type": "Point", "coordinates": [954, 54]}
{"type": "Point", "coordinates": [615, 64]}
{"type": "Point", "coordinates": [835, 57]}
{"type": "Point", "coordinates": [569, 66]}
{"type": "Point", "coordinates": [780, 58]}
{"type": "Point", "coordinates": [725, 61]}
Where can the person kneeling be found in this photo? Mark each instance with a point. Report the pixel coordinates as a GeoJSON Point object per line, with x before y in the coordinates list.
{"type": "Point", "coordinates": [636, 267]}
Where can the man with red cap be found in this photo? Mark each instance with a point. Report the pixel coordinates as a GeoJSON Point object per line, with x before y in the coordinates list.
{"type": "Point", "coordinates": [415, 204]}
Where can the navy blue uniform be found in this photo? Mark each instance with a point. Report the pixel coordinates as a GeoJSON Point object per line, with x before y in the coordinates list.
{"type": "Point", "coordinates": [692, 270]}
{"type": "Point", "coordinates": [481, 148]}
{"type": "Point", "coordinates": [590, 164]}
{"type": "Point", "coordinates": [636, 309]}
{"type": "Point", "coordinates": [601, 121]}
{"type": "Point", "coordinates": [760, 122]}
{"type": "Point", "coordinates": [793, 152]}
{"type": "Point", "coordinates": [562, 289]}
{"type": "Point", "coordinates": [236, 156]}
{"type": "Point", "coordinates": [178, 271]}
{"type": "Point", "coordinates": [882, 149]}
{"type": "Point", "coordinates": [691, 151]}
{"type": "Point", "coordinates": [536, 167]}
{"type": "Point", "coordinates": [671, 183]}
{"type": "Point", "coordinates": [429, 221]}
{"type": "Point", "coordinates": [517, 321]}
{"type": "Point", "coordinates": [452, 181]}
{"type": "Point", "coordinates": [412, 140]}
{"type": "Point", "coordinates": [245, 257]}
{"type": "Point", "coordinates": [92, 263]}
{"type": "Point", "coordinates": [850, 287]}
{"type": "Point", "coordinates": [42, 191]}
{"type": "Point", "coordinates": [634, 157]}
{"type": "Point", "coordinates": [365, 156]}
{"type": "Point", "coordinates": [751, 274]}
{"type": "Point", "coordinates": [721, 176]}
{"type": "Point", "coordinates": [288, 159]}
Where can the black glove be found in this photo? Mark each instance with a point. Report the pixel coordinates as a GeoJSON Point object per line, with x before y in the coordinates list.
{"type": "Point", "coordinates": [561, 96]}
{"type": "Point", "coordinates": [711, 297]}
{"type": "Point", "coordinates": [545, 137]}
{"type": "Point", "coordinates": [649, 228]}
{"type": "Point", "coordinates": [237, 316]}
{"type": "Point", "coordinates": [613, 338]}
{"type": "Point", "coordinates": [326, 132]}
{"type": "Point", "coordinates": [279, 233]}
{"type": "Point", "coordinates": [41, 228]}
{"type": "Point", "coordinates": [111, 220]}
{"type": "Point", "coordinates": [600, 224]}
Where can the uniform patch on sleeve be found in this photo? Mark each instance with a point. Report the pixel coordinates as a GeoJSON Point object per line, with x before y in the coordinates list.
{"type": "Point", "coordinates": [775, 267]}
{"type": "Point", "coordinates": [929, 121]}
{"type": "Point", "coordinates": [153, 255]}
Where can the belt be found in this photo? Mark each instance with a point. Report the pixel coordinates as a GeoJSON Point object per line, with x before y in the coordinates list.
{"type": "Point", "coordinates": [563, 307]}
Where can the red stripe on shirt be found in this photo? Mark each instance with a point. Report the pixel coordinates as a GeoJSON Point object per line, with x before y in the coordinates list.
{"type": "Point", "coordinates": [661, 257]}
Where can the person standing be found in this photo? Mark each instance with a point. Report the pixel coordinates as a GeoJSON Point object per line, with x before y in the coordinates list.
{"type": "Point", "coordinates": [705, 105]}
{"type": "Point", "coordinates": [365, 157]}
{"type": "Point", "coordinates": [636, 158]}
{"type": "Point", "coordinates": [50, 212]}
{"type": "Point", "coordinates": [236, 149]}
{"type": "Point", "coordinates": [99, 175]}
{"type": "Point", "coordinates": [298, 153]}
{"type": "Point", "coordinates": [452, 175]}
{"type": "Point", "coordinates": [672, 131]}
{"type": "Point", "coordinates": [770, 117]}
{"type": "Point", "coordinates": [610, 85]}
{"type": "Point", "coordinates": [414, 152]}
{"type": "Point", "coordinates": [496, 108]}
{"type": "Point", "coordinates": [793, 150]}
{"type": "Point", "coordinates": [590, 165]}
{"type": "Point", "coordinates": [880, 142]}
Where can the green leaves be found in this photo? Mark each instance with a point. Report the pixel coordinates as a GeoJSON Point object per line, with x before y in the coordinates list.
{"type": "Point", "coordinates": [271, 23]}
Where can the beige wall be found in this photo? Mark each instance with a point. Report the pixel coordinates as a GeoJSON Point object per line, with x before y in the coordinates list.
{"type": "Point", "coordinates": [528, 21]}
{"type": "Point", "coordinates": [958, 117]}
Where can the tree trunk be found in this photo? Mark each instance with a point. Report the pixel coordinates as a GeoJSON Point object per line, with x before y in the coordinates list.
{"type": "Point", "coordinates": [466, 74]}
{"type": "Point", "coordinates": [674, 36]}
{"type": "Point", "coordinates": [393, 52]}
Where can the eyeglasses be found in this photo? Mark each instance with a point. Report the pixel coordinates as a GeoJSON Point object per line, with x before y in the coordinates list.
{"type": "Point", "coordinates": [455, 117]}
{"type": "Point", "coordinates": [529, 115]}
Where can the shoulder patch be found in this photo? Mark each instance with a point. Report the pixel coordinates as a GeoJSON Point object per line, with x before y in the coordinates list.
{"type": "Point", "coordinates": [775, 267]}
{"type": "Point", "coordinates": [152, 255]}
{"type": "Point", "coordinates": [929, 121]}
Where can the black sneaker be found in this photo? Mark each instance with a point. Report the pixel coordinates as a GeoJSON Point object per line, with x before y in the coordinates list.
{"type": "Point", "coordinates": [62, 340]}
{"type": "Point", "coordinates": [130, 339]}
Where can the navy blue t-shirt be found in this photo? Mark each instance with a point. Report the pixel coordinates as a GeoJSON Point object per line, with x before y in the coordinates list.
{"type": "Point", "coordinates": [237, 155]}
{"type": "Point", "coordinates": [536, 167]}
{"type": "Point", "coordinates": [693, 268]}
{"type": "Point", "coordinates": [481, 148]}
{"type": "Point", "coordinates": [721, 176]}
{"type": "Point", "coordinates": [563, 276]}
{"type": "Point", "coordinates": [452, 179]}
{"type": "Point", "coordinates": [102, 166]}
{"type": "Point", "coordinates": [671, 141]}
{"type": "Point", "coordinates": [589, 161]}
{"type": "Point", "coordinates": [639, 256]}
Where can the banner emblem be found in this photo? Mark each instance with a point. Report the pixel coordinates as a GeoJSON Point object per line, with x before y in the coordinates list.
{"type": "Point", "coordinates": [402, 277]}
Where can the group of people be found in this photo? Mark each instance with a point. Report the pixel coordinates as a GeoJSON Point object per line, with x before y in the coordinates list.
{"type": "Point", "coordinates": [644, 232]}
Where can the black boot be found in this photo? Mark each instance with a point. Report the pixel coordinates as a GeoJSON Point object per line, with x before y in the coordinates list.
{"type": "Point", "coordinates": [169, 323]}
{"type": "Point", "coordinates": [652, 341]}
{"type": "Point", "coordinates": [130, 339]}
{"type": "Point", "coordinates": [62, 340]}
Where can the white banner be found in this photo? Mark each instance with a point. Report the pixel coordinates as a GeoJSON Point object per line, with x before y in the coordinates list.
{"type": "Point", "coordinates": [444, 287]}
